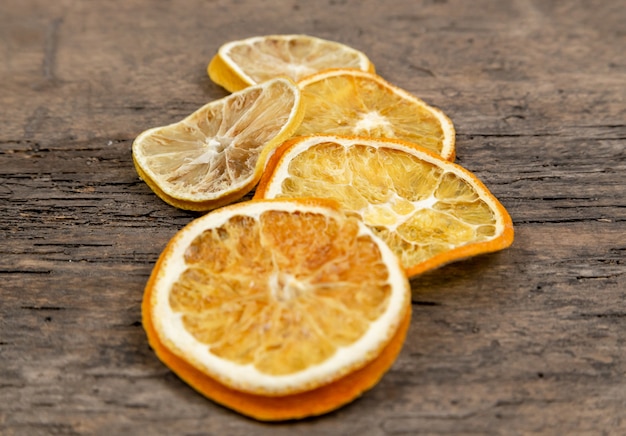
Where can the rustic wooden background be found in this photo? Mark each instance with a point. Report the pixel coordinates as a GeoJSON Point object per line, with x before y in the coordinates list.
{"type": "Point", "coordinates": [527, 341]}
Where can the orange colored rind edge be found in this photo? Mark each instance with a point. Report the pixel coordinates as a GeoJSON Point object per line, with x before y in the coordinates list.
{"type": "Point", "coordinates": [296, 406]}
{"type": "Point", "coordinates": [504, 240]}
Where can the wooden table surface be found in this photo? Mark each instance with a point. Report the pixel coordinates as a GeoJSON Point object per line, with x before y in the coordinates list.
{"type": "Point", "coordinates": [530, 340]}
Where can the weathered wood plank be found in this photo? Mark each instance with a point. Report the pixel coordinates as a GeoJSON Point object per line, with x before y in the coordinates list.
{"type": "Point", "coordinates": [528, 340]}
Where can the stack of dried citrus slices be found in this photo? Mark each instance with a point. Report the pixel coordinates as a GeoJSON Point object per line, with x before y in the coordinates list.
{"type": "Point", "coordinates": [294, 303]}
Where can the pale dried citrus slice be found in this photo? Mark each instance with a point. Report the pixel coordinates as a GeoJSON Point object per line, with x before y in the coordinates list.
{"type": "Point", "coordinates": [357, 103]}
{"type": "Point", "coordinates": [239, 64]}
{"type": "Point", "coordinates": [216, 155]}
{"type": "Point", "coordinates": [428, 210]}
{"type": "Point", "coordinates": [278, 309]}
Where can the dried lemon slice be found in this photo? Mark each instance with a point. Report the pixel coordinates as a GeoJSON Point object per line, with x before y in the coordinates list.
{"type": "Point", "coordinates": [216, 155]}
{"type": "Point", "coordinates": [261, 303]}
{"type": "Point", "coordinates": [239, 64]}
{"type": "Point", "coordinates": [428, 210]}
{"type": "Point", "coordinates": [357, 103]}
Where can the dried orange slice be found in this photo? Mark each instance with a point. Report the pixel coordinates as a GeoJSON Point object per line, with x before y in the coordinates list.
{"type": "Point", "coordinates": [357, 103]}
{"type": "Point", "coordinates": [216, 155]}
{"type": "Point", "coordinates": [239, 64]}
{"type": "Point", "coordinates": [428, 210]}
{"type": "Point", "coordinates": [278, 309]}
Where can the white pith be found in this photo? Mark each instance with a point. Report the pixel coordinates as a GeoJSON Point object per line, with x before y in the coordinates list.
{"type": "Point", "coordinates": [373, 121]}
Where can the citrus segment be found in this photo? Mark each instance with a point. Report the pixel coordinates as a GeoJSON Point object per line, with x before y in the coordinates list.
{"type": "Point", "coordinates": [216, 155]}
{"type": "Point", "coordinates": [357, 103]}
{"type": "Point", "coordinates": [428, 210]}
{"type": "Point", "coordinates": [275, 298]}
{"type": "Point", "coordinates": [246, 62]}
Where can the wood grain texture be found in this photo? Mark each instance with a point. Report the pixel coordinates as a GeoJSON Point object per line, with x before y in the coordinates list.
{"type": "Point", "coordinates": [530, 340]}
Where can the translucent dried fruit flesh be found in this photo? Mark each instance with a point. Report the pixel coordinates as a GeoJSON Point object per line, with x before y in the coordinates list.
{"type": "Point", "coordinates": [354, 103]}
{"type": "Point", "coordinates": [277, 301]}
{"type": "Point", "coordinates": [216, 154]}
{"type": "Point", "coordinates": [254, 60]}
{"type": "Point", "coordinates": [288, 292]}
{"type": "Point", "coordinates": [428, 210]}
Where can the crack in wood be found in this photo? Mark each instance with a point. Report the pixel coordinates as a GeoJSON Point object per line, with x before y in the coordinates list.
{"type": "Point", "coordinates": [54, 308]}
{"type": "Point", "coordinates": [563, 221]}
{"type": "Point", "coordinates": [610, 315]}
{"type": "Point", "coordinates": [70, 245]}
{"type": "Point", "coordinates": [540, 135]}
{"type": "Point", "coordinates": [425, 303]}
{"type": "Point", "coordinates": [605, 277]}
{"type": "Point", "coordinates": [25, 271]}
